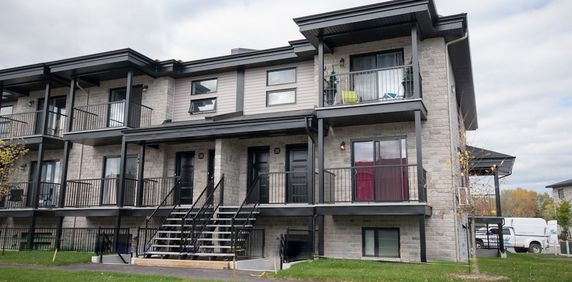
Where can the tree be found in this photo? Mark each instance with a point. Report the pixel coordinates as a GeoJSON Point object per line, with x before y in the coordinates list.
{"type": "Point", "coordinates": [518, 203]}
{"type": "Point", "coordinates": [546, 208]}
{"type": "Point", "coordinates": [564, 216]}
{"type": "Point", "coordinates": [9, 155]}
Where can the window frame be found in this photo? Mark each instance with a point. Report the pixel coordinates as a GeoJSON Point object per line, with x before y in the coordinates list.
{"type": "Point", "coordinates": [282, 90]}
{"type": "Point", "coordinates": [203, 112]}
{"type": "Point", "coordinates": [561, 193]}
{"type": "Point", "coordinates": [204, 79]}
{"type": "Point", "coordinates": [283, 69]}
{"type": "Point", "coordinates": [377, 254]}
{"type": "Point", "coordinates": [402, 50]}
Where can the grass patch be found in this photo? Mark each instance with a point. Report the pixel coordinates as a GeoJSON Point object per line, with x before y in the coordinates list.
{"type": "Point", "coordinates": [363, 270]}
{"type": "Point", "coordinates": [518, 267]}
{"type": "Point", "coordinates": [22, 274]}
{"type": "Point", "coordinates": [44, 257]}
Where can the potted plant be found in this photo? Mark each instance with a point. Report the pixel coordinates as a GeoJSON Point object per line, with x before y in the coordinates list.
{"type": "Point", "coordinates": [408, 81]}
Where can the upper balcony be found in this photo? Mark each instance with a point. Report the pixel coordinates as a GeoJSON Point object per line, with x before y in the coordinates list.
{"type": "Point", "coordinates": [26, 127]}
{"type": "Point", "coordinates": [110, 115]}
{"type": "Point", "coordinates": [370, 86]}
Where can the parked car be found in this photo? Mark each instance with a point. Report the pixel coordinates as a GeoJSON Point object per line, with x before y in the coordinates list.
{"type": "Point", "coordinates": [522, 234]}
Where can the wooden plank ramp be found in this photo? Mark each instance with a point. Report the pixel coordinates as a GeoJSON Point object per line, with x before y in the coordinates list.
{"type": "Point", "coordinates": [185, 263]}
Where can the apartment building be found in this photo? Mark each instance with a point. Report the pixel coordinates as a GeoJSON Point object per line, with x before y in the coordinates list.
{"type": "Point", "coordinates": [343, 144]}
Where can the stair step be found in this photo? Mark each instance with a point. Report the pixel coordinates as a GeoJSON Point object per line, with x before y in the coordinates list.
{"type": "Point", "coordinates": [227, 225]}
{"type": "Point", "coordinates": [217, 239]}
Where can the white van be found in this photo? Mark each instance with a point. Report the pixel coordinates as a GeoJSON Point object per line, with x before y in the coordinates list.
{"type": "Point", "coordinates": [520, 233]}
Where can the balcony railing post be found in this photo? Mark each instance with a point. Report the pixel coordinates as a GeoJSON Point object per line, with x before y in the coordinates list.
{"type": "Point", "coordinates": [415, 62]}
{"type": "Point", "coordinates": [321, 72]}
{"type": "Point", "coordinates": [419, 151]}
{"type": "Point", "coordinates": [140, 175]}
{"type": "Point", "coordinates": [128, 90]}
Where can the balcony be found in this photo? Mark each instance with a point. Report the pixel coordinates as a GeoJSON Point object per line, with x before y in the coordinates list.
{"type": "Point", "coordinates": [375, 96]}
{"type": "Point", "coordinates": [27, 127]}
{"type": "Point", "coordinates": [98, 192]}
{"type": "Point", "coordinates": [110, 115]}
{"type": "Point", "coordinates": [19, 195]}
{"type": "Point", "coordinates": [380, 189]}
{"type": "Point", "coordinates": [372, 184]}
{"type": "Point", "coordinates": [369, 86]}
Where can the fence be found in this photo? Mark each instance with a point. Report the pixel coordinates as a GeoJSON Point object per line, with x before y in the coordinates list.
{"type": "Point", "coordinates": [97, 240]}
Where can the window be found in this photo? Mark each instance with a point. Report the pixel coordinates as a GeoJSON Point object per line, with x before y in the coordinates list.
{"type": "Point", "coordinates": [204, 86]}
{"type": "Point", "coordinates": [377, 76]}
{"type": "Point", "coordinates": [284, 76]}
{"type": "Point", "coordinates": [111, 171]}
{"type": "Point", "coordinates": [381, 170]}
{"type": "Point", "coordinates": [281, 97]}
{"type": "Point", "coordinates": [561, 194]}
{"type": "Point", "coordinates": [203, 106]}
{"type": "Point", "coordinates": [380, 242]}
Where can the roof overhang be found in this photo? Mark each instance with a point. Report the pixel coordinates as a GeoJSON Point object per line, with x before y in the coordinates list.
{"type": "Point", "coordinates": [274, 124]}
{"type": "Point", "coordinates": [483, 161]}
{"type": "Point", "coordinates": [565, 183]}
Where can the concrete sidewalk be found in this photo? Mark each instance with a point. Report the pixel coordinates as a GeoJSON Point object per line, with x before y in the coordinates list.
{"type": "Point", "coordinates": [191, 273]}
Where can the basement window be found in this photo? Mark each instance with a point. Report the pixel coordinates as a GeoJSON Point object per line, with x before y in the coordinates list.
{"type": "Point", "coordinates": [380, 242]}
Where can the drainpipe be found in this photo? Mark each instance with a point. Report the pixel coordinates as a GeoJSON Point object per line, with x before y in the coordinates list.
{"type": "Point", "coordinates": [454, 186]}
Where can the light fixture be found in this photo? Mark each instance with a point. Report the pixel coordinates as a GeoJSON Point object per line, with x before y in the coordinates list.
{"type": "Point", "coordinates": [30, 103]}
{"type": "Point", "coordinates": [145, 87]}
{"type": "Point", "coordinates": [201, 156]}
{"type": "Point", "coordinates": [276, 151]}
{"type": "Point", "coordinates": [342, 62]}
{"type": "Point", "coordinates": [343, 146]}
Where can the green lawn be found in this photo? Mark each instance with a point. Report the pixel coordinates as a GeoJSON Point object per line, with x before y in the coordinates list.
{"type": "Point", "coordinates": [21, 274]}
{"type": "Point", "coordinates": [521, 267]}
{"type": "Point", "coordinates": [44, 257]}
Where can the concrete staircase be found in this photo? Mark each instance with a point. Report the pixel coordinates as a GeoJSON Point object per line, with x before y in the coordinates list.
{"type": "Point", "coordinates": [207, 234]}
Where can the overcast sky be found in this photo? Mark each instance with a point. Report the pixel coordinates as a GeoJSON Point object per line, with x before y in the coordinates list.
{"type": "Point", "coordinates": [521, 51]}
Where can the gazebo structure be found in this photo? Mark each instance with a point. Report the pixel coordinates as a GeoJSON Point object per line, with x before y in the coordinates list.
{"type": "Point", "coordinates": [486, 163]}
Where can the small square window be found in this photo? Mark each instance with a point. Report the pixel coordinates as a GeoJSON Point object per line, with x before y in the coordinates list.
{"type": "Point", "coordinates": [284, 76]}
{"type": "Point", "coordinates": [281, 97]}
{"type": "Point", "coordinates": [380, 242]}
{"type": "Point", "coordinates": [203, 106]}
{"type": "Point", "coordinates": [561, 194]}
{"type": "Point", "coordinates": [204, 86]}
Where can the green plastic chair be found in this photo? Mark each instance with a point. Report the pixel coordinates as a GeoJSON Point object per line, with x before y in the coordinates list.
{"type": "Point", "coordinates": [349, 97]}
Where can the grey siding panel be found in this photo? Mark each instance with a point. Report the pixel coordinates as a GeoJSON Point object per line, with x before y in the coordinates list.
{"type": "Point", "coordinates": [226, 96]}
{"type": "Point", "coordinates": [255, 89]}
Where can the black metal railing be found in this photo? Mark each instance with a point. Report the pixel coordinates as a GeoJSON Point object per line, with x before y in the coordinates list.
{"type": "Point", "coordinates": [156, 189]}
{"type": "Point", "coordinates": [379, 183]}
{"type": "Point", "coordinates": [110, 115]}
{"type": "Point", "coordinates": [29, 123]}
{"type": "Point", "coordinates": [71, 239]}
{"type": "Point", "coordinates": [149, 232]}
{"type": "Point", "coordinates": [205, 205]}
{"type": "Point", "coordinates": [282, 187]}
{"type": "Point", "coordinates": [295, 245]}
{"type": "Point", "coordinates": [383, 84]}
{"type": "Point", "coordinates": [99, 192]}
{"type": "Point", "coordinates": [20, 195]}
{"type": "Point", "coordinates": [239, 232]}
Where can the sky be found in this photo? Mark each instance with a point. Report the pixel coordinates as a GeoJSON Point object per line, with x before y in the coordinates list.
{"type": "Point", "coordinates": [520, 49]}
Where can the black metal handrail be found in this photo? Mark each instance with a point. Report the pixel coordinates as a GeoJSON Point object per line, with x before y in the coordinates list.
{"type": "Point", "coordinates": [29, 123]}
{"type": "Point", "coordinates": [370, 183]}
{"type": "Point", "coordinates": [238, 230]}
{"type": "Point", "coordinates": [200, 220]}
{"type": "Point", "coordinates": [357, 87]}
{"type": "Point", "coordinates": [147, 244]}
{"type": "Point", "coordinates": [91, 192]}
{"type": "Point", "coordinates": [110, 115]}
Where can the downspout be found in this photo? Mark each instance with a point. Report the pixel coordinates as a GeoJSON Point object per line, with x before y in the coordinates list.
{"type": "Point", "coordinates": [453, 184]}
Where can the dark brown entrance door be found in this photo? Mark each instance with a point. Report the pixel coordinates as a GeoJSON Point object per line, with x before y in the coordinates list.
{"type": "Point", "coordinates": [186, 171]}
{"type": "Point", "coordinates": [258, 167]}
{"type": "Point", "coordinates": [296, 176]}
